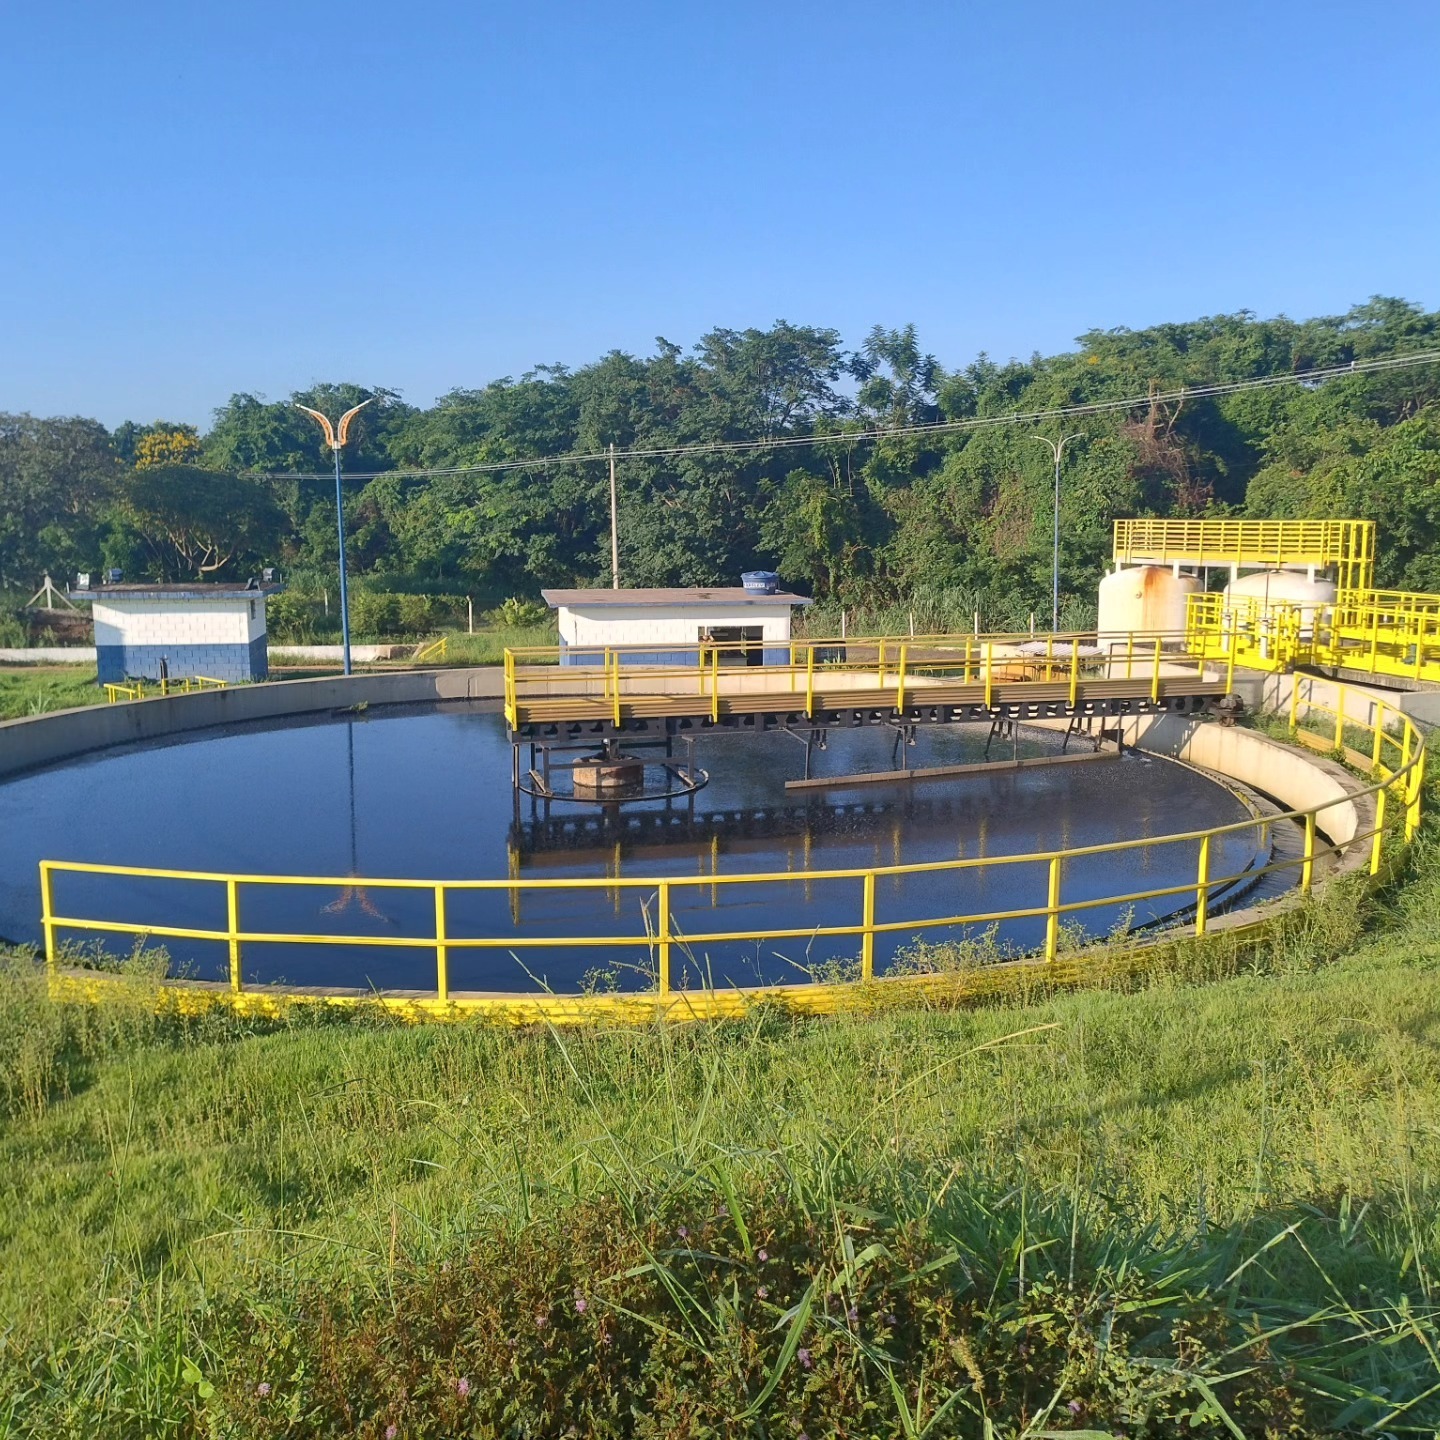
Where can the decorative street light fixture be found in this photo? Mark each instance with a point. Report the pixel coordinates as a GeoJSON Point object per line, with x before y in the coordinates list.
{"type": "Point", "coordinates": [1056, 447]}
{"type": "Point", "coordinates": [335, 437]}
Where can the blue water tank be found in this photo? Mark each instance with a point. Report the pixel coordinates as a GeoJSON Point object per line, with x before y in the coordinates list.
{"type": "Point", "coordinates": [761, 582]}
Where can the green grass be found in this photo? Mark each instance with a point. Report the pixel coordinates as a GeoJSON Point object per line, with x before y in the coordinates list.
{"type": "Point", "coordinates": [42, 689]}
{"type": "Point", "coordinates": [1199, 1208]}
{"type": "Point", "coordinates": [487, 646]}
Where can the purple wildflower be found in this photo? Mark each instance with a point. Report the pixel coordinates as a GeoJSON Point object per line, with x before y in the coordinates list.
{"type": "Point", "coordinates": [683, 1233]}
{"type": "Point", "coordinates": [852, 1314]}
{"type": "Point", "coordinates": [803, 1355]}
{"type": "Point", "coordinates": [891, 1321]}
{"type": "Point", "coordinates": [762, 1256]}
{"type": "Point", "coordinates": [263, 1389]}
{"type": "Point", "coordinates": [1075, 1407]}
{"type": "Point", "coordinates": [391, 1431]}
{"type": "Point", "coordinates": [763, 1292]}
{"type": "Point", "coordinates": [581, 1306]}
{"type": "Point", "coordinates": [541, 1320]}
{"type": "Point", "coordinates": [462, 1387]}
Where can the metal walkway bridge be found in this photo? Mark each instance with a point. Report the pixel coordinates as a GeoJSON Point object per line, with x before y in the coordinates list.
{"type": "Point", "coordinates": [914, 680]}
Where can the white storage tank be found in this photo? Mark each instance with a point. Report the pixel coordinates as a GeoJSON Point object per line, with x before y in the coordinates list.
{"type": "Point", "coordinates": [1149, 598]}
{"type": "Point", "coordinates": [1281, 587]}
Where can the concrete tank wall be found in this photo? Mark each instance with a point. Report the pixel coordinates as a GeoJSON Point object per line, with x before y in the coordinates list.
{"type": "Point", "coordinates": [1297, 780]}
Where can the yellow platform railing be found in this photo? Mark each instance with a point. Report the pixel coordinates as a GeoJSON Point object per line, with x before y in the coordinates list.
{"type": "Point", "coordinates": [1388, 634]}
{"type": "Point", "coordinates": [896, 669]}
{"type": "Point", "coordinates": [1395, 753]}
{"type": "Point", "coordinates": [436, 650]}
{"type": "Point", "coordinates": [1346, 546]}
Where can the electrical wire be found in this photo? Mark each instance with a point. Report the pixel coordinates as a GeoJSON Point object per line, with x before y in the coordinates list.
{"type": "Point", "coordinates": [893, 432]}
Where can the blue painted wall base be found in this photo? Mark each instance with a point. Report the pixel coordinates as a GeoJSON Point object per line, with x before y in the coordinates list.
{"type": "Point", "coordinates": [117, 663]}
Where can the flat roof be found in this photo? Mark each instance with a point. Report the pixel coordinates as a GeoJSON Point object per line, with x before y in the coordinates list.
{"type": "Point", "coordinates": [178, 590]}
{"type": "Point", "coordinates": [720, 595]}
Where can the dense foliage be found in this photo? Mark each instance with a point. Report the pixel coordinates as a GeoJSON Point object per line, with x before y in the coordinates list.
{"type": "Point", "coordinates": [858, 522]}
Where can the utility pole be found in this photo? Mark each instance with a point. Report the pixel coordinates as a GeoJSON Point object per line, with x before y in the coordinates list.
{"type": "Point", "coordinates": [1057, 449]}
{"type": "Point", "coordinates": [614, 526]}
{"type": "Point", "coordinates": [335, 437]}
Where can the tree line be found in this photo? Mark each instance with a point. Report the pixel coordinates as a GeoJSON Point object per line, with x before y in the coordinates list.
{"type": "Point", "coordinates": [960, 518]}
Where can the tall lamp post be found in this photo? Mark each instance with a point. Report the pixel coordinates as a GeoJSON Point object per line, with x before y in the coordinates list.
{"type": "Point", "coordinates": [335, 437]}
{"type": "Point", "coordinates": [1056, 448]}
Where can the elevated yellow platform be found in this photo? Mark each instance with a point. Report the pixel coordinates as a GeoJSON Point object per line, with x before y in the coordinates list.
{"type": "Point", "coordinates": [913, 678]}
{"type": "Point", "coordinates": [1346, 546]}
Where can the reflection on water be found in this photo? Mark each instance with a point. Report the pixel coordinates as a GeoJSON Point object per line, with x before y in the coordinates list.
{"type": "Point", "coordinates": [426, 793]}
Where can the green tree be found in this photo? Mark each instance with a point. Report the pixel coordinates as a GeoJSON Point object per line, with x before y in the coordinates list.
{"type": "Point", "coordinates": [57, 477]}
{"type": "Point", "coordinates": [195, 523]}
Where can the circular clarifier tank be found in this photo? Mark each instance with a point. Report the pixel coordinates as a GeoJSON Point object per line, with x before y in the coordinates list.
{"type": "Point", "coordinates": [426, 793]}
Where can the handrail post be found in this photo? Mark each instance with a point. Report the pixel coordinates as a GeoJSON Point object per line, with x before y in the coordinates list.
{"type": "Point", "coordinates": [47, 917]}
{"type": "Point", "coordinates": [1074, 673]}
{"type": "Point", "coordinates": [810, 681]}
{"type": "Point", "coordinates": [1294, 701]}
{"type": "Point", "coordinates": [1129, 654]}
{"type": "Point", "coordinates": [1307, 868]}
{"type": "Point", "coordinates": [900, 679]}
{"type": "Point", "coordinates": [1052, 910]}
{"type": "Point", "coordinates": [989, 671]}
{"type": "Point", "coordinates": [1417, 784]}
{"type": "Point", "coordinates": [715, 685]}
{"type": "Point", "coordinates": [232, 926]}
{"type": "Point", "coordinates": [662, 925]}
{"type": "Point", "coordinates": [880, 672]}
{"type": "Point", "coordinates": [442, 950]}
{"type": "Point", "coordinates": [1202, 885]}
{"type": "Point", "coordinates": [1155, 675]}
{"type": "Point", "coordinates": [617, 690]}
{"type": "Point", "coordinates": [1378, 840]}
{"type": "Point", "coordinates": [867, 934]}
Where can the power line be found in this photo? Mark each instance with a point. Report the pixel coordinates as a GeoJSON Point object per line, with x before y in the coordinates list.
{"type": "Point", "coordinates": [892, 432]}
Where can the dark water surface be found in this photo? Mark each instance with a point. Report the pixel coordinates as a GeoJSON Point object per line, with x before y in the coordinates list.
{"type": "Point", "coordinates": [426, 793]}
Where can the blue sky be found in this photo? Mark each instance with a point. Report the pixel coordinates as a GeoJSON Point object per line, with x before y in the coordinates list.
{"type": "Point", "coordinates": [201, 199]}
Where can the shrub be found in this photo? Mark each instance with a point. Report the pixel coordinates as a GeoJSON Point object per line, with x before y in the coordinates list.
{"type": "Point", "coordinates": [517, 612]}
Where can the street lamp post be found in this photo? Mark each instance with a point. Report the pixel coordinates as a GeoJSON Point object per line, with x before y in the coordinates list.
{"type": "Point", "coordinates": [1056, 448]}
{"type": "Point", "coordinates": [335, 437]}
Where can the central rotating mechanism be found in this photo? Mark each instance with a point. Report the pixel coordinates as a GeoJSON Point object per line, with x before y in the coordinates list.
{"type": "Point", "coordinates": [610, 775]}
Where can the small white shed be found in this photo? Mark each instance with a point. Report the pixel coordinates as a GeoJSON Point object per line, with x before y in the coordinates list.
{"type": "Point", "coordinates": [666, 627]}
{"type": "Point", "coordinates": [215, 630]}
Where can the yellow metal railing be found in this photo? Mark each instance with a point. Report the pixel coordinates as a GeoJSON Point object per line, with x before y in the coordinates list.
{"type": "Point", "coordinates": [895, 670]}
{"type": "Point", "coordinates": [136, 689]}
{"type": "Point", "coordinates": [436, 650]}
{"type": "Point", "coordinates": [1346, 545]}
{"type": "Point", "coordinates": [1396, 755]}
{"type": "Point", "coordinates": [1390, 634]}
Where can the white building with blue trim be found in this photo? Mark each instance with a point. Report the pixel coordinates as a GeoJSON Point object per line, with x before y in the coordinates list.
{"type": "Point", "coordinates": [749, 626]}
{"type": "Point", "coordinates": [214, 630]}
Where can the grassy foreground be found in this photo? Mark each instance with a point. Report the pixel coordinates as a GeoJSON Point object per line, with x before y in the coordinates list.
{"type": "Point", "coordinates": [39, 689]}
{"type": "Point", "coordinates": [1204, 1208]}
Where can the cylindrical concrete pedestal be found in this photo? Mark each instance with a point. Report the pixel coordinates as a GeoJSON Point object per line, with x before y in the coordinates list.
{"type": "Point", "coordinates": [622, 775]}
